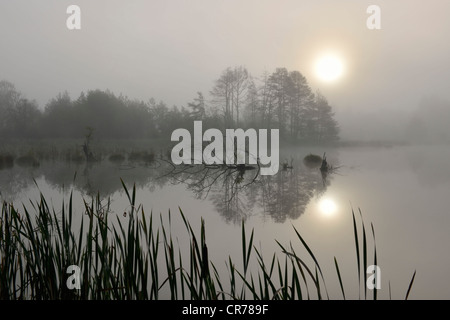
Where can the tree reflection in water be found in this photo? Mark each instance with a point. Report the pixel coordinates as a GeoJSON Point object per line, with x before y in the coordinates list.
{"type": "Point", "coordinates": [237, 192]}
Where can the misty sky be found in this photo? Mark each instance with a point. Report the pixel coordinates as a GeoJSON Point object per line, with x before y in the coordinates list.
{"type": "Point", "coordinates": [169, 50]}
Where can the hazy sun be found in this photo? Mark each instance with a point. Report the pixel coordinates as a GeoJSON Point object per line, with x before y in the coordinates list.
{"type": "Point", "coordinates": [329, 67]}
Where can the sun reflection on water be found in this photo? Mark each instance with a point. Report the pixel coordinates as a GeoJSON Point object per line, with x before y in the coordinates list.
{"type": "Point", "coordinates": [328, 207]}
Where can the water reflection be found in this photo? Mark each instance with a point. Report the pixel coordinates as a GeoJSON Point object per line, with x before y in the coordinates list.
{"type": "Point", "coordinates": [88, 178]}
{"type": "Point", "coordinates": [237, 192]}
{"type": "Point", "coordinates": [240, 192]}
{"type": "Point", "coordinates": [327, 207]}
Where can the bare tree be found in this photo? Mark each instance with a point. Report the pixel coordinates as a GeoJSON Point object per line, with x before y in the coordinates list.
{"type": "Point", "coordinates": [230, 93]}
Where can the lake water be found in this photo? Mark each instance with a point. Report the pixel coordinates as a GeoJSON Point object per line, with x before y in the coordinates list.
{"type": "Point", "coordinates": [403, 191]}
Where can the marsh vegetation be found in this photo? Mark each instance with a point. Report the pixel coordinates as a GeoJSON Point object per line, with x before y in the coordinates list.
{"type": "Point", "coordinates": [141, 258]}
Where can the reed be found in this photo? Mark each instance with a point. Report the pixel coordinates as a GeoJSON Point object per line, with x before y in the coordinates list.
{"type": "Point", "coordinates": [142, 259]}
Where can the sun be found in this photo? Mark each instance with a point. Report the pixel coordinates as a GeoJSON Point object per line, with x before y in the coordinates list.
{"type": "Point", "coordinates": [329, 67]}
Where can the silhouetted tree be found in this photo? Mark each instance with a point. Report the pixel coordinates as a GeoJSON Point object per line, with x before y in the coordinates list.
{"type": "Point", "coordinates": [253, 117]}
{"type": "Point", "coordinates": [326, 127]}
{"type": "Point", "coordinates": [300, 99]}
{"type": "Point", "coordinates": [197, 107]}
{"type": "Point", "coordinates": [58, 117]}
{"type": "Point", "coordinates": [230, 94]}
{"type": "Point", "coordinates": [280, 89]}
{"type": "Point", "coordinates": [282, 99]}
{"type": "Point", "coordinates": [19, 117]}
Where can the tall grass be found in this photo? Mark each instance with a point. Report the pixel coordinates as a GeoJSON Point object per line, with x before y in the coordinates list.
{"type": "Point", "coordinates": [142, 259]}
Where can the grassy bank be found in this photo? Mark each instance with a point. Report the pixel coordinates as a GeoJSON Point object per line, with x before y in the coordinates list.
{"type": "Point", "coordinates": [141, 259]}
{"type": "Point", "coordinates": [28, 153]}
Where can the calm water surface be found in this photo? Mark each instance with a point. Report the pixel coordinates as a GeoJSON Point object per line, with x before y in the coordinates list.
{"type": "Point", "coordinates": [403, 191]}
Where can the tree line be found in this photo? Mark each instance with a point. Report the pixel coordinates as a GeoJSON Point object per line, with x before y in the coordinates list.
{"type": "Point", "coordinates": [281, 100]}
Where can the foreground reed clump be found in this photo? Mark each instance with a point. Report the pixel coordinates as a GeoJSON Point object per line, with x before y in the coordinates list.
{"type": "Point", "coordinates": [140, 260]}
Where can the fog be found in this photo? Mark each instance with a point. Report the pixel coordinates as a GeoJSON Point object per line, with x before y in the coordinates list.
{"type": "Point", "coordinates": [180, 102]}
{"type": "Point", "coordinates": [170, 50]}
